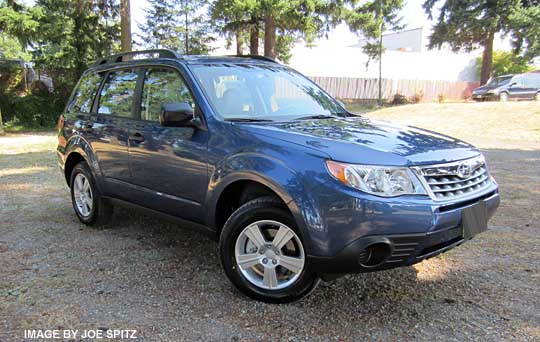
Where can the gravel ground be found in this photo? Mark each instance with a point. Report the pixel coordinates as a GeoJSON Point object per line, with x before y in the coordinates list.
{"type": "Point", "coordinates": [145, 274]}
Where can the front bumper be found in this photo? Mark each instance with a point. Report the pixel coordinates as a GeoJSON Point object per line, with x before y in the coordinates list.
{"type": "Point", "coordinates": [405, 249]}
{"type": "Point", "coordinates": [487, 96]}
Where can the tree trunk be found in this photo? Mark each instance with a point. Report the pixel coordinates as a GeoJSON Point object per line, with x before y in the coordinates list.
{"type": "Point", "coordinates": [239, 43]}
{"type": "Point", "coordinates": [254, 40]}
{"type": "Point", "coordinates": [487, 58]}
{"type": "Point", "coordinates": [270, 37]}
{"type": "Point", "coordinates": [1, 124]}
{"type": "Point", "coordinates": [125, 25]}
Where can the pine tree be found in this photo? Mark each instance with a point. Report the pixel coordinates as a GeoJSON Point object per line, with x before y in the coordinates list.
{"type": "Point", "coordinates": [469, 24]}
{"type": "Point", "coordinates": [179, 25]}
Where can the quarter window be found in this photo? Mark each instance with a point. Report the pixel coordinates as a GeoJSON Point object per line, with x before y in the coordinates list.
{"type": "Point", "coordinates": [162, 86]}
{"type": "Point", "coordinates": [116, 97]}
{"type": "Point", "coordinates": [83, 98]}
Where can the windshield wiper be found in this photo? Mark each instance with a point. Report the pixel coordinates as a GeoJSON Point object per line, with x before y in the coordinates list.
{"type": "Point", "coordinates": [321, 116]}
{"type": "Point", "coordinates": [247, 120]}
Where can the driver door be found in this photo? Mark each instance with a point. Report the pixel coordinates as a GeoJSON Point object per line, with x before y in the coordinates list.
{"type": "Point", "coordinates": [168, 164]}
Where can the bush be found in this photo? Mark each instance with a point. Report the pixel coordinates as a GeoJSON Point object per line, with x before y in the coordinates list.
{"type": "Point", "coordinates": [35, 110]}
{"type": "Point", "coordinates": [417, 97]}
{"type": "Point", "coordinates": [399, 99]}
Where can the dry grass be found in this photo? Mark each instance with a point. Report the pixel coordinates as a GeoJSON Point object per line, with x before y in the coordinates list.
{"type": "Point", "coordinates": [142, 273]}
{"type": "Point", "coordinates": [498, 125]}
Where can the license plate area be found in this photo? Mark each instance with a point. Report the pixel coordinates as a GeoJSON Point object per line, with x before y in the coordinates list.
{"type": "Point", "coordinates": [474, 220]}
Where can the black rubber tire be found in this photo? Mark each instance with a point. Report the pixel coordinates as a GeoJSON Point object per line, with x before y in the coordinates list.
{"type": "Point", "coordinates": [252, 211]}
{"type": "Point", "coordinates": [101, 209]}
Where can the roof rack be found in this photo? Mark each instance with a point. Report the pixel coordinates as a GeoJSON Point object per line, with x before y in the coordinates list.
{"type": "Point", "coordinates": [262, 58]}
{"type": "Point", "coordinates": [118, 58]}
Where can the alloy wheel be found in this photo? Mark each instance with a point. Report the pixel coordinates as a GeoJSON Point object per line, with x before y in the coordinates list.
{"type": "Point", "coordinates": [82, 192]}
{"type": "Point", "coordinates": [269, 255]}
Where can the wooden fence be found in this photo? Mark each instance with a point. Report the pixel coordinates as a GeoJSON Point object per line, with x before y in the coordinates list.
{"type": "Point", "coordinates": [368, 88]}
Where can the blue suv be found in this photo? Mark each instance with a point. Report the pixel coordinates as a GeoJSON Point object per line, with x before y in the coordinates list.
{"type": "Point", "coordinates": [257, 156]}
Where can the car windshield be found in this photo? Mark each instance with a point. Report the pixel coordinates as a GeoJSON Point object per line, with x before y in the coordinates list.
{"type": "Point", "coordinates": [499, 81]}
{"type": "Point", "coordinates": [249, 92]}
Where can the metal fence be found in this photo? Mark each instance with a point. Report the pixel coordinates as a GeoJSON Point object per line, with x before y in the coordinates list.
{"type": "Point", "coordinates": [368, 88]}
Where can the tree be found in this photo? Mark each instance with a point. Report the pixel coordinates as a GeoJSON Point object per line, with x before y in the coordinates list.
{"type": "Point", "coordinates": [294, 19]}
{"type": "Point", "coordinates": [469, 24]}
{"type": "Point", "coordinates": [234, 19]}
{"type": "Point", "coordinates": [506, 62]}
{"type": "Point", "coordinates": [125, 25]}
{"type": "Point", "coordinates": [371, 19]}
{"type": "Point", "coordinates": [284, 22]}
{"type": "Point", "coordinates": [177, 25]}
{"type": "Point", "coordinates": [72, 35]}
{"type": "Point", "coordinates": [525, 19]}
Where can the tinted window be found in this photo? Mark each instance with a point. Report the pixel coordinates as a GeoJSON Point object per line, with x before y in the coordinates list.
{"type": "Point", "coordinates": [116, 97]}
{"type": "Point", "coordinates": [83, 97]}
{"type": "Point", "coordinates": [162, 86]}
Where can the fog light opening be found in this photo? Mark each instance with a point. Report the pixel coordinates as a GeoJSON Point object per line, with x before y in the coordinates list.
{"type": "Point", "coordinates": [375, 254]}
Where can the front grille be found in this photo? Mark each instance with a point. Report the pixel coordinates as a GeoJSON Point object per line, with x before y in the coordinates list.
{"type": "Point", "coordinates": [456, 179]}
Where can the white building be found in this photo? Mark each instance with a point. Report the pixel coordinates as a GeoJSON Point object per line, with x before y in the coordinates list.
{"type": "Point", "coordinates": [406, 57]}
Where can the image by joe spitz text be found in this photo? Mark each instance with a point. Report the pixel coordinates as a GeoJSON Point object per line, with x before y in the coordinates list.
{"type": "Point", "coordinates": [91, 334]}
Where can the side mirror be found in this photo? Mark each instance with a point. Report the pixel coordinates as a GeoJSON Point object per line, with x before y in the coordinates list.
{"type": "Point", "coordinates": [513, 84]}
{"type": "Point", "coordinates": [176, 114]}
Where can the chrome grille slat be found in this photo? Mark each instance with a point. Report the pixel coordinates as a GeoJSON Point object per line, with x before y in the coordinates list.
{"type": "Point", "coordinates": [448, 182]}
{"type": "Point", "coordinates": [481, 173]}
{"type": "Point", "coordinates": [461, 187]}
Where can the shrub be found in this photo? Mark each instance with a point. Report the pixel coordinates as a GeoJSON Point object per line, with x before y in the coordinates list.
{"type": "Point", "coordinates": [417, 97]}
{"type": "Point", "coordinates": [399, 99]}
{"type": "Point", "coordinates": [34, 110]}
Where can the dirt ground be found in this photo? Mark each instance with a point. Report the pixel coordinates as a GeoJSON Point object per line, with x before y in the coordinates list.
{"type": "Point", "coordinates": [145, 274]}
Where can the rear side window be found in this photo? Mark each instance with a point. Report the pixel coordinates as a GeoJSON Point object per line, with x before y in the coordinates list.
{"type": "Point", "coordinates": [83, 98]}
{"type": "Point", "coordinates": [116, 97]}
{"type": "Point", "coordinates": [162, 86]}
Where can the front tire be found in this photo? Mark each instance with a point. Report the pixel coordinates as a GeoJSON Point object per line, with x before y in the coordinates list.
{"type": "Point", "coordinates": [263, 255]}
{"type": "Point", "coordinates": [503, 97]}
{"type": "Point", "coordinates": [90, 207]}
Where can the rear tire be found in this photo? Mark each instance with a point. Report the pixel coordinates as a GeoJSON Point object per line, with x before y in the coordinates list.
{"type": "Point", "coordinates": [262, 234]}
{"type": "Point", "coordinates": [90, 208]}
{"type": "Point", "coordinates": [537, 97]}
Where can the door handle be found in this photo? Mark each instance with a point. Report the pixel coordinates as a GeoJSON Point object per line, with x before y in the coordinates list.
{"type": "Point", "coordinates": [137, 137]}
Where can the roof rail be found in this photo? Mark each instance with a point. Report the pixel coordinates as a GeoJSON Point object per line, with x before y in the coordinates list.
{"type": "Point", "coordinates": [262, 58]}
{"type": "Point", "coordinates": [118, 58]}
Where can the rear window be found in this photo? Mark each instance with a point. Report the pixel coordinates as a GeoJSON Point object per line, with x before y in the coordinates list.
{"type": "Point", "coordinates": [83, 97]}
{"type": "Point", "coordinates": [117, 94]}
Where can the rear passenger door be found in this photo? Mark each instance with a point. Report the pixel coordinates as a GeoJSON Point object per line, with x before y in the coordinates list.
{"type": "Point", "coordinates": [168, 164]}
{"type": "Point", "coordinates": [110, 129]}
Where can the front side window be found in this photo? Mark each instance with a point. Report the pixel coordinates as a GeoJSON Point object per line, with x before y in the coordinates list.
{"type": "Point", "coordinates": [268, 92]}
{"type": "Point", "coordinates": [116, 97]}
{"type": "Point", "coordinates": [162, 86]}
{"type": "Point", "coordinates": [83, 98]}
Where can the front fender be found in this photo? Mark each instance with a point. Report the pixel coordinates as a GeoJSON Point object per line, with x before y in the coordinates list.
{"type": "Point", "coordinates": [268, 171]}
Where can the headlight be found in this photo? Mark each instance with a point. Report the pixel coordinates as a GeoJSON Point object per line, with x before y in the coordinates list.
{"type": "Point", "coordinates": [386, 181]}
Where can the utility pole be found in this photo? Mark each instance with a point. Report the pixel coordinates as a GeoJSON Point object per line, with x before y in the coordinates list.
{"type": "Point", "coordinates": [125, 25]}
{"type": "Point", "coordinates": [187, 27]}
{"type": "Point", "coordinates": [381, 27]}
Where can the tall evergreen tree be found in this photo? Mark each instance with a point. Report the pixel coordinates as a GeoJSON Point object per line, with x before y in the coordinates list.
{"type": "Point", "coordinates": [177, 24]}
{"type": "Point", "coordinates": [72, 35]}
{"type": "Point", "coordinates": [469, 24]}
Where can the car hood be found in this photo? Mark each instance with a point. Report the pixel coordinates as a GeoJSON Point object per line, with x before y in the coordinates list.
{"type": "Point", "coordinates": [359, 140]}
